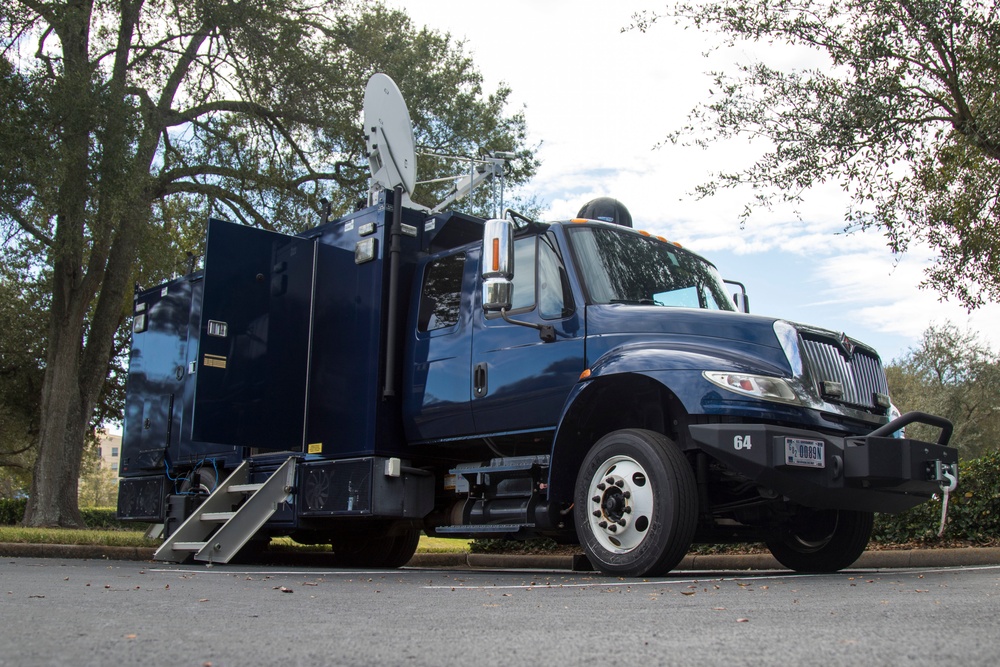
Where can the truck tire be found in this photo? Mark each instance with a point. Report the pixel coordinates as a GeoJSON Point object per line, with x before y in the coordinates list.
{"type": "Point", "coordinates": [389, 551]}
{"type": "Point", "coordinates": [636, 504]}
{"type": "Point", "coordinates": [823, 540]}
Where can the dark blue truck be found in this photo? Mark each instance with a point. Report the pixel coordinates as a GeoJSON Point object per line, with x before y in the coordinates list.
{"type": "Point", "coordinates": [390, 372]}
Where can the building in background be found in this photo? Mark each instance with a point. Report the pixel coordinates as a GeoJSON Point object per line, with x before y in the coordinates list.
{"type": "Point", "coordinates": [109, 450]}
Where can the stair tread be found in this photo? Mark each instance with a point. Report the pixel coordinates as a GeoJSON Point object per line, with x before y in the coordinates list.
{"type": "Point", "coordinates": [244, 488]}
{"type": "Point", "coordinates": [217, 516]}
{"type": "Point", "coordinates": [188, 546]}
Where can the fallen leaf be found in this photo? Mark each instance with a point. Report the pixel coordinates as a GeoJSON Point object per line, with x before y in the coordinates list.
{"type": "Point", "coordinates": [742, 620]}
{"type": "Point", "coordinates": [286, 590]}
{"type": "Point", "coordinates": [203, 600]}
{"type": "Point", "coordinates": [688, 592]}
{"type": "Point", "coordinates": [131, 636]}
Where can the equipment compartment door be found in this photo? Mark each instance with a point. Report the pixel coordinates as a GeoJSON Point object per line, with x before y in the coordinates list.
{"type": "Point", "coordinates": [255, 335]}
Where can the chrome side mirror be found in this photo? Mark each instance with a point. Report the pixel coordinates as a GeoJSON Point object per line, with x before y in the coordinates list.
{"type": "Point", "coordinates": [498, 265]}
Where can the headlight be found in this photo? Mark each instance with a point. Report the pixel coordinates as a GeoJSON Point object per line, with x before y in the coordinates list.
{"type": "Point", "coordinates": [759, 386]}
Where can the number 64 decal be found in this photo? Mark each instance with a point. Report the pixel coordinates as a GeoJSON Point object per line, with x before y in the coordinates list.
{"type": "Point", "coordinates": [742, 442]}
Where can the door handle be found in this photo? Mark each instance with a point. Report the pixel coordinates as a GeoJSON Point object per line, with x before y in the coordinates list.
{"type": "Point", "coordinates": [479, 380]}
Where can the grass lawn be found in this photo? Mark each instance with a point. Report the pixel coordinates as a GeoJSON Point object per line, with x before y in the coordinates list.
{"type": "Point", "coordinates": [129, 538]}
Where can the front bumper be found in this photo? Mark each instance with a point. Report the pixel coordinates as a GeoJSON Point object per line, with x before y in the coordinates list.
{"type": "Point", "coordinates": [876, 472]}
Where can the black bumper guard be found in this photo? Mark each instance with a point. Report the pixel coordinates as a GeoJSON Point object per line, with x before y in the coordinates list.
{"type": "Point", "coordinates": [876, 472]}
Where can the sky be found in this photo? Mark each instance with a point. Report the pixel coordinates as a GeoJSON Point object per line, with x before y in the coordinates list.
{"type": "Point", "coordinates": [598, 101]}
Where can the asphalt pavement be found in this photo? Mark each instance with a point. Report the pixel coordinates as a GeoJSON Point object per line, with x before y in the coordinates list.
{"type": "Point", "coordinates": [875, 559]}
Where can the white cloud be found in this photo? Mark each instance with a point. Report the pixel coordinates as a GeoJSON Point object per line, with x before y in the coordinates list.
{"type": "Point", "coordinates": [599, 100]}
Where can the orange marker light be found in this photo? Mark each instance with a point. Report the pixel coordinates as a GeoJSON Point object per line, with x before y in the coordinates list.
{"type": "Point", "coordinates": [496, 254]}
{"type": "Point", "coordinates": [585, 374]}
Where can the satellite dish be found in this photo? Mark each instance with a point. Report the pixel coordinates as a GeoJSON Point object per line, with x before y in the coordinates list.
{"type": "Point", "coordinates": [389, 135]}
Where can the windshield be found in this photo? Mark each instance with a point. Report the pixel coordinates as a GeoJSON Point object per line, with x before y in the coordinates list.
{"type": "Point", "coordinates": [625, 267]}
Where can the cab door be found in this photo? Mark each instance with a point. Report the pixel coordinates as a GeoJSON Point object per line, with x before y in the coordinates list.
{"type": "Point", "coordinates": [520, 381]}
{"type": "Point", "coordinates": [437, 371]}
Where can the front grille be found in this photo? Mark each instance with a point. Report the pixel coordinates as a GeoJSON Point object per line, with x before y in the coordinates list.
{"type": "Point", "coordinates": [861, 375]}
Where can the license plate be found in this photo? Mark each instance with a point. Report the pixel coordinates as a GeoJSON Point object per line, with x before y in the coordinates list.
{"type": "Point", "coordinates": [805, 453]}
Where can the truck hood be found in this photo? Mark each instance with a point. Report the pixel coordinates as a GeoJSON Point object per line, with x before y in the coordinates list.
{"type": "Point", "coordinates": [640, 338]}
{"type": "Point", "coordinates": [746, 341]}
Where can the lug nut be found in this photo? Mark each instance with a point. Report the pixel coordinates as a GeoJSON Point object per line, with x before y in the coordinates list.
{"type": "Point", "coordinates": [610, 480]}
{"type": "Point", "coordinates": [628, 510]}
{"type": "Point", "coordinates": [613, 528]}
{"type": "Point", "coordinates": [596, 499]}
{"type": "Point", "coordinates": [627, 495]}
{"type": "Point", "coordinates": [603, 524]}
{"type": "Point", "coordinates": [621, 522]}
{"type": "Point", "coordinates": [597, 512]}
{"type": "Point", "coordinates": [601, 486]}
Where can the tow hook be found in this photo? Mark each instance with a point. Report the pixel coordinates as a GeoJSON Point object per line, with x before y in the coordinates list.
{"type": "Point", "coordinates": [946, 475]}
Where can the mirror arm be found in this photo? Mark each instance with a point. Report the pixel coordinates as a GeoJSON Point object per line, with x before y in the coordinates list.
{"type": "Point", "coordinates": [546, 332]}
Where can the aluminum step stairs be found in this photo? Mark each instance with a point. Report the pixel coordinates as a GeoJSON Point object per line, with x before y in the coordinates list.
{"type": "Point", "coordinates": [230, 517]}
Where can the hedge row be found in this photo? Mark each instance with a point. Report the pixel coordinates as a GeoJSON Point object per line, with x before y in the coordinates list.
{"type": "Point", "coordinates": [12, 511]}
{"type": "Point", "coordinates": [973, 510]}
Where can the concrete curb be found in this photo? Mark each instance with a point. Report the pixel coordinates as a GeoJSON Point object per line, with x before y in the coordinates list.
{"type": "Point", "coordinates": [884, 559]}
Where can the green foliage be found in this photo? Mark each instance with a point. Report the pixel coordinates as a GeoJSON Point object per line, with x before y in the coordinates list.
{"type": "Point", "coordinates": [22, 356]}
{"type": "Point", "coordinates": [973, 511]}
{"type": "Point", "coordinates": [96, 518]}
{"type": "Point", "coordinates": [955, 375]}
{"type": "Point", "coordinates": [903, 114]}
{"type": "Point", "coordinates": [12, 510]}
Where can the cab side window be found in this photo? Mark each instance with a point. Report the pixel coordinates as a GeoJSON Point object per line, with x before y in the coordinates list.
{"type": "Point", "coordinates": [524, 274]}
{"type": "Point", "coordinates": [441, 295]}
{"type": "Point", "coordinates": [555, 300]}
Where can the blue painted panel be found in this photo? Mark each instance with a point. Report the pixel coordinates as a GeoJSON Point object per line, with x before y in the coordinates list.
{"type": "Point", "coordinates": [252, 361]}
{"type": "Point", "coordinates": [349, 413]}
{"type": "Point", "coordinates": [156, 376]}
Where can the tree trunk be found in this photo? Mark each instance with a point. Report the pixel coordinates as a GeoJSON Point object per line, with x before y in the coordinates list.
{"type": "Point", "coordinates": [53, 497]}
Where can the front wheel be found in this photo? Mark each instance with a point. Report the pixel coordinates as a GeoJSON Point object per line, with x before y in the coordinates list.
{"type": "Point", "coordinates": [822, 540]}
{"type": "Point", "coordinates": [636, 504]}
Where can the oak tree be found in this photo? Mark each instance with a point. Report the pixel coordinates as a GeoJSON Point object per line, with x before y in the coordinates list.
{"type": "Point", "coordinates": [119, 116]}
{"type": "Point", "coordinates": [903, 112]}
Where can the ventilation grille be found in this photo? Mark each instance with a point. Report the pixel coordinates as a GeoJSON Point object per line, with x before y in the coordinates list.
{"type": "Point", "coordinates": [343, 487]}
{"type": "Point", "coordinates": [861, 376]}
{"type": "Point", "coordinates": [141, 499]}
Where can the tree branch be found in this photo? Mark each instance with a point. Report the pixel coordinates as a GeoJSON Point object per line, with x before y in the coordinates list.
{"type": "Point", "coordinates": [220, 193]}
